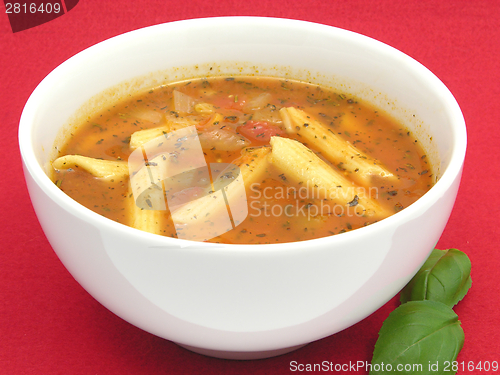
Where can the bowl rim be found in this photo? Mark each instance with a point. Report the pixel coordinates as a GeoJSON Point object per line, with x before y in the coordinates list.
{"type": "Point", "coordinates": [36, 171]}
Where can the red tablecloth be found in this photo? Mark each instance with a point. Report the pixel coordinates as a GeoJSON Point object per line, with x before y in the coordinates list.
{"type": "Point", "coordinates": [50, 325]}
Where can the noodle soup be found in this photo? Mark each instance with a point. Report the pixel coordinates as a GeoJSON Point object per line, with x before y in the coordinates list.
{"type": "Point", "coordinates": [312, 162]}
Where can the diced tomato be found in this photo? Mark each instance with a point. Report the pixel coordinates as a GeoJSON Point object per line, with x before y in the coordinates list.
{"type": "Point", "coordinates": [261, 131]}
{"type": "Point", "coordinates": [230, 102]}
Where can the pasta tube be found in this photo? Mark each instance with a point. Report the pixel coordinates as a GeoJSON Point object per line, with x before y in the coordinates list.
{"type": "Point", "coordinates": [301, 166]}
{"type": "Point", "coordinates": [253, 163]}
{"type": "Point", "coordinates": [105, 169]}
{"type": "Point", "coordinates": [360, 166]}
{"type": "Point", "coordinates": [146, 220]}
{"type": "Point", "coordinates": [152, 221]}
{"type": "Point", "coordinates": [140, 137]}
{"type": "Point", "coordinates": [226, 206]}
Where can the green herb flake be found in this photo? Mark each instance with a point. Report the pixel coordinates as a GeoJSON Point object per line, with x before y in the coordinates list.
{"type": "Point", "coordinates": [398, 207]}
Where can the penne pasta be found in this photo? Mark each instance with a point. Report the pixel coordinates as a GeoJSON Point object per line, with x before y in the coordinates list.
{"type": "Point", "coordinates": [139, 218]}
{"type": "Point", "coordinates": [226, 205]}
{"type": "Point", "coordinates": [152, 221]}
{"type": "Point", "coordinates": [253, 163]}
{"type": "Point", "coordinates": [138, 138]}
{"type": "Point", "coordinates": [105, 169]}
{"type": "Point", "coordinates": [302, 167]}
{"type": "Point", "coordinates": [357, 164]}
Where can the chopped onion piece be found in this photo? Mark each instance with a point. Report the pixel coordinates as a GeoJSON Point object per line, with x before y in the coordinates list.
{"type": "Point", "coordinates": [183, 103]}
{"type": "Point", "coordinates": [269, 114]}
{"type": "Point", "coordinates": [148, 115]}
{"type": "Point", "coordinates": [258, 102]}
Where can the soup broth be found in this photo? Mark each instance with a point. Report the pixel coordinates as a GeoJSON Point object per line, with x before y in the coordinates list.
{"type": "Point", "coordinates": [313, 162]}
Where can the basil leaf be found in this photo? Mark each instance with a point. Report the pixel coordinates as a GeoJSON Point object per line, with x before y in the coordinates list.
{"type": "Point", "coordinates": [444, 277]}
{"type": "Point", "coordinates": [416, 336]}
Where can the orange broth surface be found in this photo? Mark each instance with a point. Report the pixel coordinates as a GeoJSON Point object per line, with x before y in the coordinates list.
{"type": "Point", "coordinates": [249, 110]}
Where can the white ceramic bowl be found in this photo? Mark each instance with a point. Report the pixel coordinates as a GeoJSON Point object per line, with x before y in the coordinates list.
{"type": "Point", "coordinates": [243, 301]}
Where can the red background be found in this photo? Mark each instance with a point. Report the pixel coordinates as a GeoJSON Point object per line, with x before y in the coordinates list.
{"type": "Point", "coordinates": [50, 325]}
